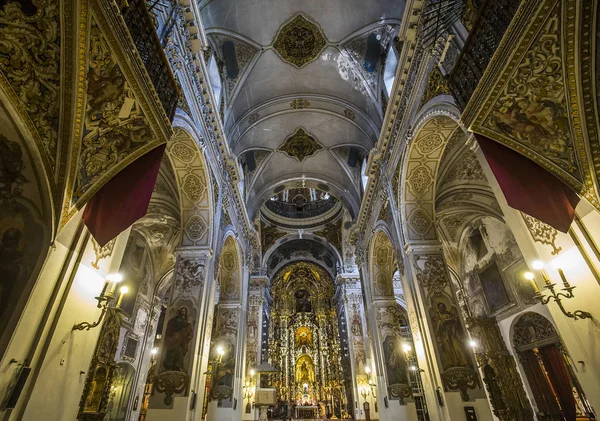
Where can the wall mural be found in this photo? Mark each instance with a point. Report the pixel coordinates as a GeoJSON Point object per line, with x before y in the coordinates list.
{"type": "Point", "coordinates": [181, 326]}
{"type": "Point", "coordinates": [226, 329]}
{"type": "Point", "coordinates": [115, 129]}
{"type": "Point", "coordinates": [30, 66]}
{"type": "Point", "coordinates": [457, 369]}
{"type": "Point", "coordinates": [23, 235]}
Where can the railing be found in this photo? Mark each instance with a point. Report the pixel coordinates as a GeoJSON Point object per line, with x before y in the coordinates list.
{"type": "Point", "coordinates": [141, 27]}
{"type": "Point", "coordinates": [488, 30]}
{"type": "Point", "coordinates": [308, 210]}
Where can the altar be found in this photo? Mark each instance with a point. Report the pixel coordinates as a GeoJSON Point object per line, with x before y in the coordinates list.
{"type": "Point", "coordinates": [307, 411]}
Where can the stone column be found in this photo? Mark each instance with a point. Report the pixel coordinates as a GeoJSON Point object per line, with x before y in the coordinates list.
{"type": "Point", "coordinates": [185, 333]}
{"type": "Point", "coordinates": [223, 401]}
{"type": "Point", "coordinates": [357, 338]}
{"type": "Point", "coordinates": [254, 332]}
{"type": "Point", "coordinates": [445, 353]}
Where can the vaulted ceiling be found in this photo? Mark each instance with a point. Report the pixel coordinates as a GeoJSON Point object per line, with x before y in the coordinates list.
{"type": "Point", "coordinates": [303, 88]}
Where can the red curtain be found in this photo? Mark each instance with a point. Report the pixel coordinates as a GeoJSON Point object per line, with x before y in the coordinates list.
{"type": "Point", "coordinates": [528, 187]}
{"type": "Point", "coordinates": [124, 199]}
{"type": "Point", "coordinates": [561, 381]}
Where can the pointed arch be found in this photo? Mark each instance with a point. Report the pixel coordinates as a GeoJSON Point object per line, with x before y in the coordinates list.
{"type": "Point", "coordinates": [193, 184]}
{"type": "Point", "coordinates": [419, 172]}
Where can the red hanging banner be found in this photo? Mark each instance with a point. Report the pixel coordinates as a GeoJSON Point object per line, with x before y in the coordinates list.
{"type": "Point", "coordinates": [528, 187]}
{"type": "Point", "coordinates": [124, 199]}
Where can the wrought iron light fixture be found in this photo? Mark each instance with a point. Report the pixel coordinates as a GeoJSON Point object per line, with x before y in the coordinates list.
{"type": "Point", "coordinates": [105, 300]}
{"type": "Point", "coordinates": [552, 294]}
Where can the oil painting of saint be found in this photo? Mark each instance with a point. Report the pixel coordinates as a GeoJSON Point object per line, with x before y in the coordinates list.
{"type": "Point", "coordinates": [178, 335]}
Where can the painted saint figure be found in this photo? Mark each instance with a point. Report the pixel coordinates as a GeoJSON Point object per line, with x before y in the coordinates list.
{"type": "Point", "coordinates": [450, 337]}
{"type": "Point", "coordinates": [177, 338]}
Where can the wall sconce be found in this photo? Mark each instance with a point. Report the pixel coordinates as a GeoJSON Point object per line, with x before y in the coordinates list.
{"type": "Point", "coordinates": [415, 368]}
{"type": "Point", "coordinates": [553, 295]}
{"type": "Point", "coordinates": [104, 301]}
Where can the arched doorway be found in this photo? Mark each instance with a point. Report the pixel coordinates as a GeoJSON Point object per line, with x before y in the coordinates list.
{"type": "Point", "coordinates": [557, 393]}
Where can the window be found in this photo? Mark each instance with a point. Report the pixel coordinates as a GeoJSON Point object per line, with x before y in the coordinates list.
{"type": "Point", "coordinates": [389, 71]}
{"type": "Point", "coordinates": [215, 78]}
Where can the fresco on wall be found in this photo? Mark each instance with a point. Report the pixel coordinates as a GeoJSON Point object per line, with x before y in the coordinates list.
{"type": "Point", "coordinates": [449, 333]}
{"type": "Point", "coordinates": [178, 334]}
{"type": "Point", "coordinates": [493, 287]}
{"type": "Point", "coordinates": [395, 361]}
{"type": "Point", "coordinates": [22, 235]}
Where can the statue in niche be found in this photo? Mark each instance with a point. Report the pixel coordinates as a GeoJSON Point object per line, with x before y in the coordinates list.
{"type": "Point", "coordinates": [304, 370]}
{"type": "Point", "coordinates": [178, 335]}
{"type": "Point", "coordinates": [302, 301]}
{"type": "Point", "coordinates": [450, 336]}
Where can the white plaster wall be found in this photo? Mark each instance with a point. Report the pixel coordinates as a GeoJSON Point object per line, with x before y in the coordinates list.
{"type": "Point", "coordinates": [57, 389]}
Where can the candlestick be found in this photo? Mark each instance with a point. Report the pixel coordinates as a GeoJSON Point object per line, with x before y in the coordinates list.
{"type": "Point", "coordinates": [564, 279]}
{"type": "Point", "coordinates": [123, 291]}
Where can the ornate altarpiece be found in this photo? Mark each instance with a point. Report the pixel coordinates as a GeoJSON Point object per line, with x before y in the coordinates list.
{"type": "Point", "coordinates": [304, 339]}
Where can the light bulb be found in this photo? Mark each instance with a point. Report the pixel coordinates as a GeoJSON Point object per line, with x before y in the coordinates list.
{"type": "Point", "coordinates": [413, 368]}
{"type": "Point", "coordinates": [367, 369]}
{"type": "Point", "coordinates": [115, 277]}
{"type": "Point", "coordinates": [252, 372]}
{"type": "Point", "coordinates": [406, 347]}
{"type": "Point", "coordinates": [154, 351]}
{"type": "Point", "coordinates": [473, 343]}
{"type": "Point", "coordinates": [220, 350]}
{"type": "Point", "coordinates": [124, 290]}
{"type": "Point", "coordinates": [537, 264]}
{"type": "Point", "coordinates": [529, 276]}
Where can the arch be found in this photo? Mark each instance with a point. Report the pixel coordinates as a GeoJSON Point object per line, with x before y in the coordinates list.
{"type": "Point", "coordinates": [230, 271]}
{"type": "Point", "coordinates": [382, 265]}
{"type": "Point", "coordinates": [326, 244]}
{"type": "Point", "coordinates": [419, 170]}
{"type": "Point", "coordinates": [194, 186]}
{"type": "Point", "coordinates": [531, 330]}
{"type": "Point", "coordinates": [27, 215]}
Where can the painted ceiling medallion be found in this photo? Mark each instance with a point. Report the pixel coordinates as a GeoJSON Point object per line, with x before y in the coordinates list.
{"type": "Point", "coordinates": [299, 41]}
{"type": "Point", "coordinates": [300, 145]}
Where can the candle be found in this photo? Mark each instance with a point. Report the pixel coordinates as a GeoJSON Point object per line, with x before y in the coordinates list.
{"type": "Point", "coordinates": [531, 278]}
{"type": "Point", "coordinates": [545, 278]}
{"type": "Point", "coordinates": [114, 279]}
{"type": "Point", "coordinates": [564, 279]}
{"type": "Point", "coordinates": [104, 288]}
{"type": "Point", "coordinates": [123, 291]}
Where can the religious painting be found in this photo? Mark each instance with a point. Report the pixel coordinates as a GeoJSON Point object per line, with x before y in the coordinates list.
{"type": "Point", "coordinates": [22, 236]}
{"type": "Point", "coordinates": [493, 287]}
{"type": "Point", "coordinates": [395, 361]}
{"type": "Point", "coordinates": [449, 333]}
{"type": "Point", "coordinates": [21, 241]}
{"type": "Point", "coordinates": [305, 370]}
{"type": "Point", "coordinates": [303, 337]}
{"type": "Point", "coordinates": [178, 334]}
{"type": "Point", "coordinates": [227, 366]}
{"type": "Point", "coordinates": [302, 301]}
